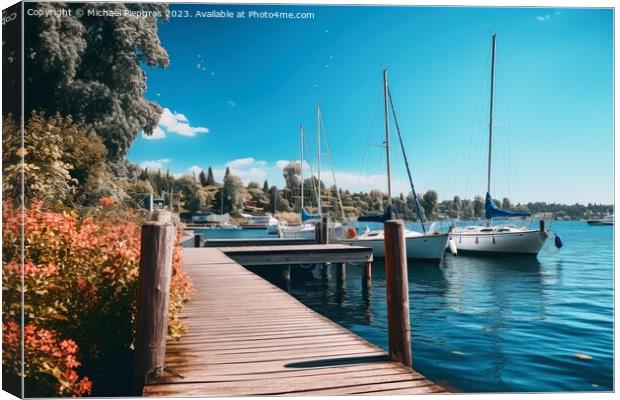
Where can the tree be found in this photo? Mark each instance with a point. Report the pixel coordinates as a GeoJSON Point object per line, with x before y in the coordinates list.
{"type": "Point", "coordinates": [376, 201]}
{"type": "Point", "coordinates": [234, 193]}
{"type": "Point", "coordinates": [478, 206]}
{"type": "Point", "coordinates": [506, 203]}
{"type": "Point", "coordinates": [467, 209]}
{"type": "Point", "coordinates": [227, 172]}
{"type": "Point", "coordinates": [257, 194]}
{"type": "Point", "coordinates": [456, 204]}
{"type": "Point", "coordinates": [200, 200]}
{"type": "Point", "coordinates": [281, 204]}
{"type": "Point", "coordinates": [90, 68]}
{"type": "Point", "coordinates": [430, 202]}
{"type": "Point", "coordinates": [202, 177]}
{"type": "Point", "coordinates": [210, 179]}
{"type": "Point", "coordinates": [63, 161]}
{"type": "Point", "coordinates": [291, 174]}
{"type": "Point", "coordinates": [266, 187]}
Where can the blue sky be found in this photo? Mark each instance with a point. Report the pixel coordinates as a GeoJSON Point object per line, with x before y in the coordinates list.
{"type": "Point", "coordinates": [237, 90]}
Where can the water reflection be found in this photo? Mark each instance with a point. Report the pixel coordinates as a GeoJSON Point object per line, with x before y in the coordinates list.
{"type": "Point", "coordinates": [483, 324]}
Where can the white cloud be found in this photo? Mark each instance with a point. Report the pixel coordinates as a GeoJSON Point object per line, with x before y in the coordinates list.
{"type": "Point", "coordinates": [194, 170]}
{"type": "Point", "coordinates": [231, 103]}
{"type": "Point", "coordinates": [240, 162]}
{"type": "Point", "coordinates": [256, 173]}
{"type": "Point", "coordinates": [170, 122]}
{"type": "Point", "coordinates": [181, 118]}
{"type": "Point", "coordinates": [154, 165]}
{"type": "Point", "coordinates": [281, 164]}
{"type": "Point", "coordinates": [158, 133]}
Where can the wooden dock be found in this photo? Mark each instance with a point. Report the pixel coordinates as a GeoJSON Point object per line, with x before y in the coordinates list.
{"type": "Point", "coordinates": [255, 242]}
{"type": "Point", "coordinates": [247, 337]}
{"type": "Point", "coordinates": [298, 254]}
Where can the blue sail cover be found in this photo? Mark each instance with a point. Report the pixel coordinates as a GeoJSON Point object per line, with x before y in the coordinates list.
{"type": "Point", "coordinates": [387, 215]}
{"type": "Point", "coordinates": [492, 211]}
{"type": "Point", "coordinates": [305, 216]}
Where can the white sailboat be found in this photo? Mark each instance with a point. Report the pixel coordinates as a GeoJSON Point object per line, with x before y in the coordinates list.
{"type": "Point", "coordinates": [501, 239]}
{"type": "Point", "coordinates": [304, 230]}
{"type": "Point", "coordinates": [426, 246]}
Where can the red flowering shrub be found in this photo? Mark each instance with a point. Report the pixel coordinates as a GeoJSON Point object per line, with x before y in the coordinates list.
{"type": "Point", "coordinates": [80, 280]}
{"type": "Point", "coordinates": [49, 359]}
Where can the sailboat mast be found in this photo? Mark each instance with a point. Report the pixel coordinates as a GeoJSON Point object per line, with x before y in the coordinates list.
{"type": "Point", "coordinates": [491, 113]}
{"type": "Point", "coordinates": [301, 142]}
{"type": "Point", "coordinates": [387, 135]}
{"type": "Point", "coordinates": [318, 143]}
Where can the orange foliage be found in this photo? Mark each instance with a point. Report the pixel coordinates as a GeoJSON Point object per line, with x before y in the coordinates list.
{"type": "Point", "coordinates": [80, 281]}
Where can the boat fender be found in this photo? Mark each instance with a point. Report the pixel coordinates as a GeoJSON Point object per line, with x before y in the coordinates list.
{"type": "Point", "coordinates": [452, 247]}
{"type": "Point", "coordinates": [351, 233]}
{"type": "Point", "coordinates": [557, 242]}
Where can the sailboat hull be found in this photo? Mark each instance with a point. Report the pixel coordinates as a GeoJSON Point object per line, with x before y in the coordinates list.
{"type": "Point", "coordinates": [524, 243]}
{"type": "Point", "coordinates": [424, 248]}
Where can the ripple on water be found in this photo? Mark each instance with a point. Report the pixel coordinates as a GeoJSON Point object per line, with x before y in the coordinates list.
{"type": "Point", "coordinates": [485, 325]}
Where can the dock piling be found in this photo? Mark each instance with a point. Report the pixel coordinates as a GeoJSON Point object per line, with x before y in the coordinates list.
{"type": "Point", "coordinates": [367, 274]}
{"type": "Point", "coordinates": [324, 231]}
{"type": "Point", "coordinates": [341, 272]}
{"type": "Point", "coordinates": [198, 240]}
{"type": "Point", "coordinates": [155, 273]}
{"type": "Point", "coordinates": [397, 290]}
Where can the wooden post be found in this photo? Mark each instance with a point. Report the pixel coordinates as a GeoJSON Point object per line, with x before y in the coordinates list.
{"type": "Point", "coordinates": [317, 232]}
{"type": "Point", "coordinates": [324, 231]}
{"type": "Point", "coordinates": [367, 274]}
{"type": "Point", "coordinates": [152, 304]}
{"type": "Point", "coordinates": [198, 240]}
{"type": "Point", "coordinates": [542, 225]}
{"type": "Point", "coordinates": [341, 272]}
{"type": "Point", "coordinates": [397, 289]}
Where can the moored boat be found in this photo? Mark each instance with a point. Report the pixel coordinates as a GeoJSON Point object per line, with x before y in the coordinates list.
{"type": "Point", "coordinates": [501, 239]}
{"type": "Point", "coordinates": [498, 240]}
{"type": "Point", "coordinates": [606, 220]}
{"type": "Point", "coordinates": [427, 246]}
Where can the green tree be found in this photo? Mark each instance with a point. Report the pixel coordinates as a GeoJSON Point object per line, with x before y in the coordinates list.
{"type": "Point", "coordinates": [201, 199]}
{"type": "Point", "coordinates": [506, 205]}
{"type": "Point", "coordinates": [210, 179]}
{"type": "Point", "coordinates": [235, 193]}
{"type": "Point", "coordinates": [430, 203]}
{"type": "Point", "coordinates": [456, 205]}
{"type": "Point", "coordinates": [202, 177]}
{"type": "Point", "coordinates": [63, 161]}
{"type": "Point", "coordinates": [90, 68]}
{"type": "Point", "coordinates": [478, 206]}
{"type": "Point", "coordinates": [467, 209]}
{"type": "Point", "coordinates": [376, 201]}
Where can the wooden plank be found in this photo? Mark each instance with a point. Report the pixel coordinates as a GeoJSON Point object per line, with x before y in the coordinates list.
{"type": "Point", "coordinates": [255, 242]}
{"type": "Point", "coordinates": [247, 337]}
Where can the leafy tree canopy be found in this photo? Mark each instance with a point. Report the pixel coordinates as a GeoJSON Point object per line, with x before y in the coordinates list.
{"type": "Point", "coordinates": [90, 68]}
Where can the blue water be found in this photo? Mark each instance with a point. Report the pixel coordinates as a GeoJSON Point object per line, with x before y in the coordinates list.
{"type": "Point", "coordinates": [490, 325]}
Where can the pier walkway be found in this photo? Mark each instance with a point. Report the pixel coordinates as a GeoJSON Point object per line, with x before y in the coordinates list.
{"type": "Point", "coordinates": [245, 336]}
